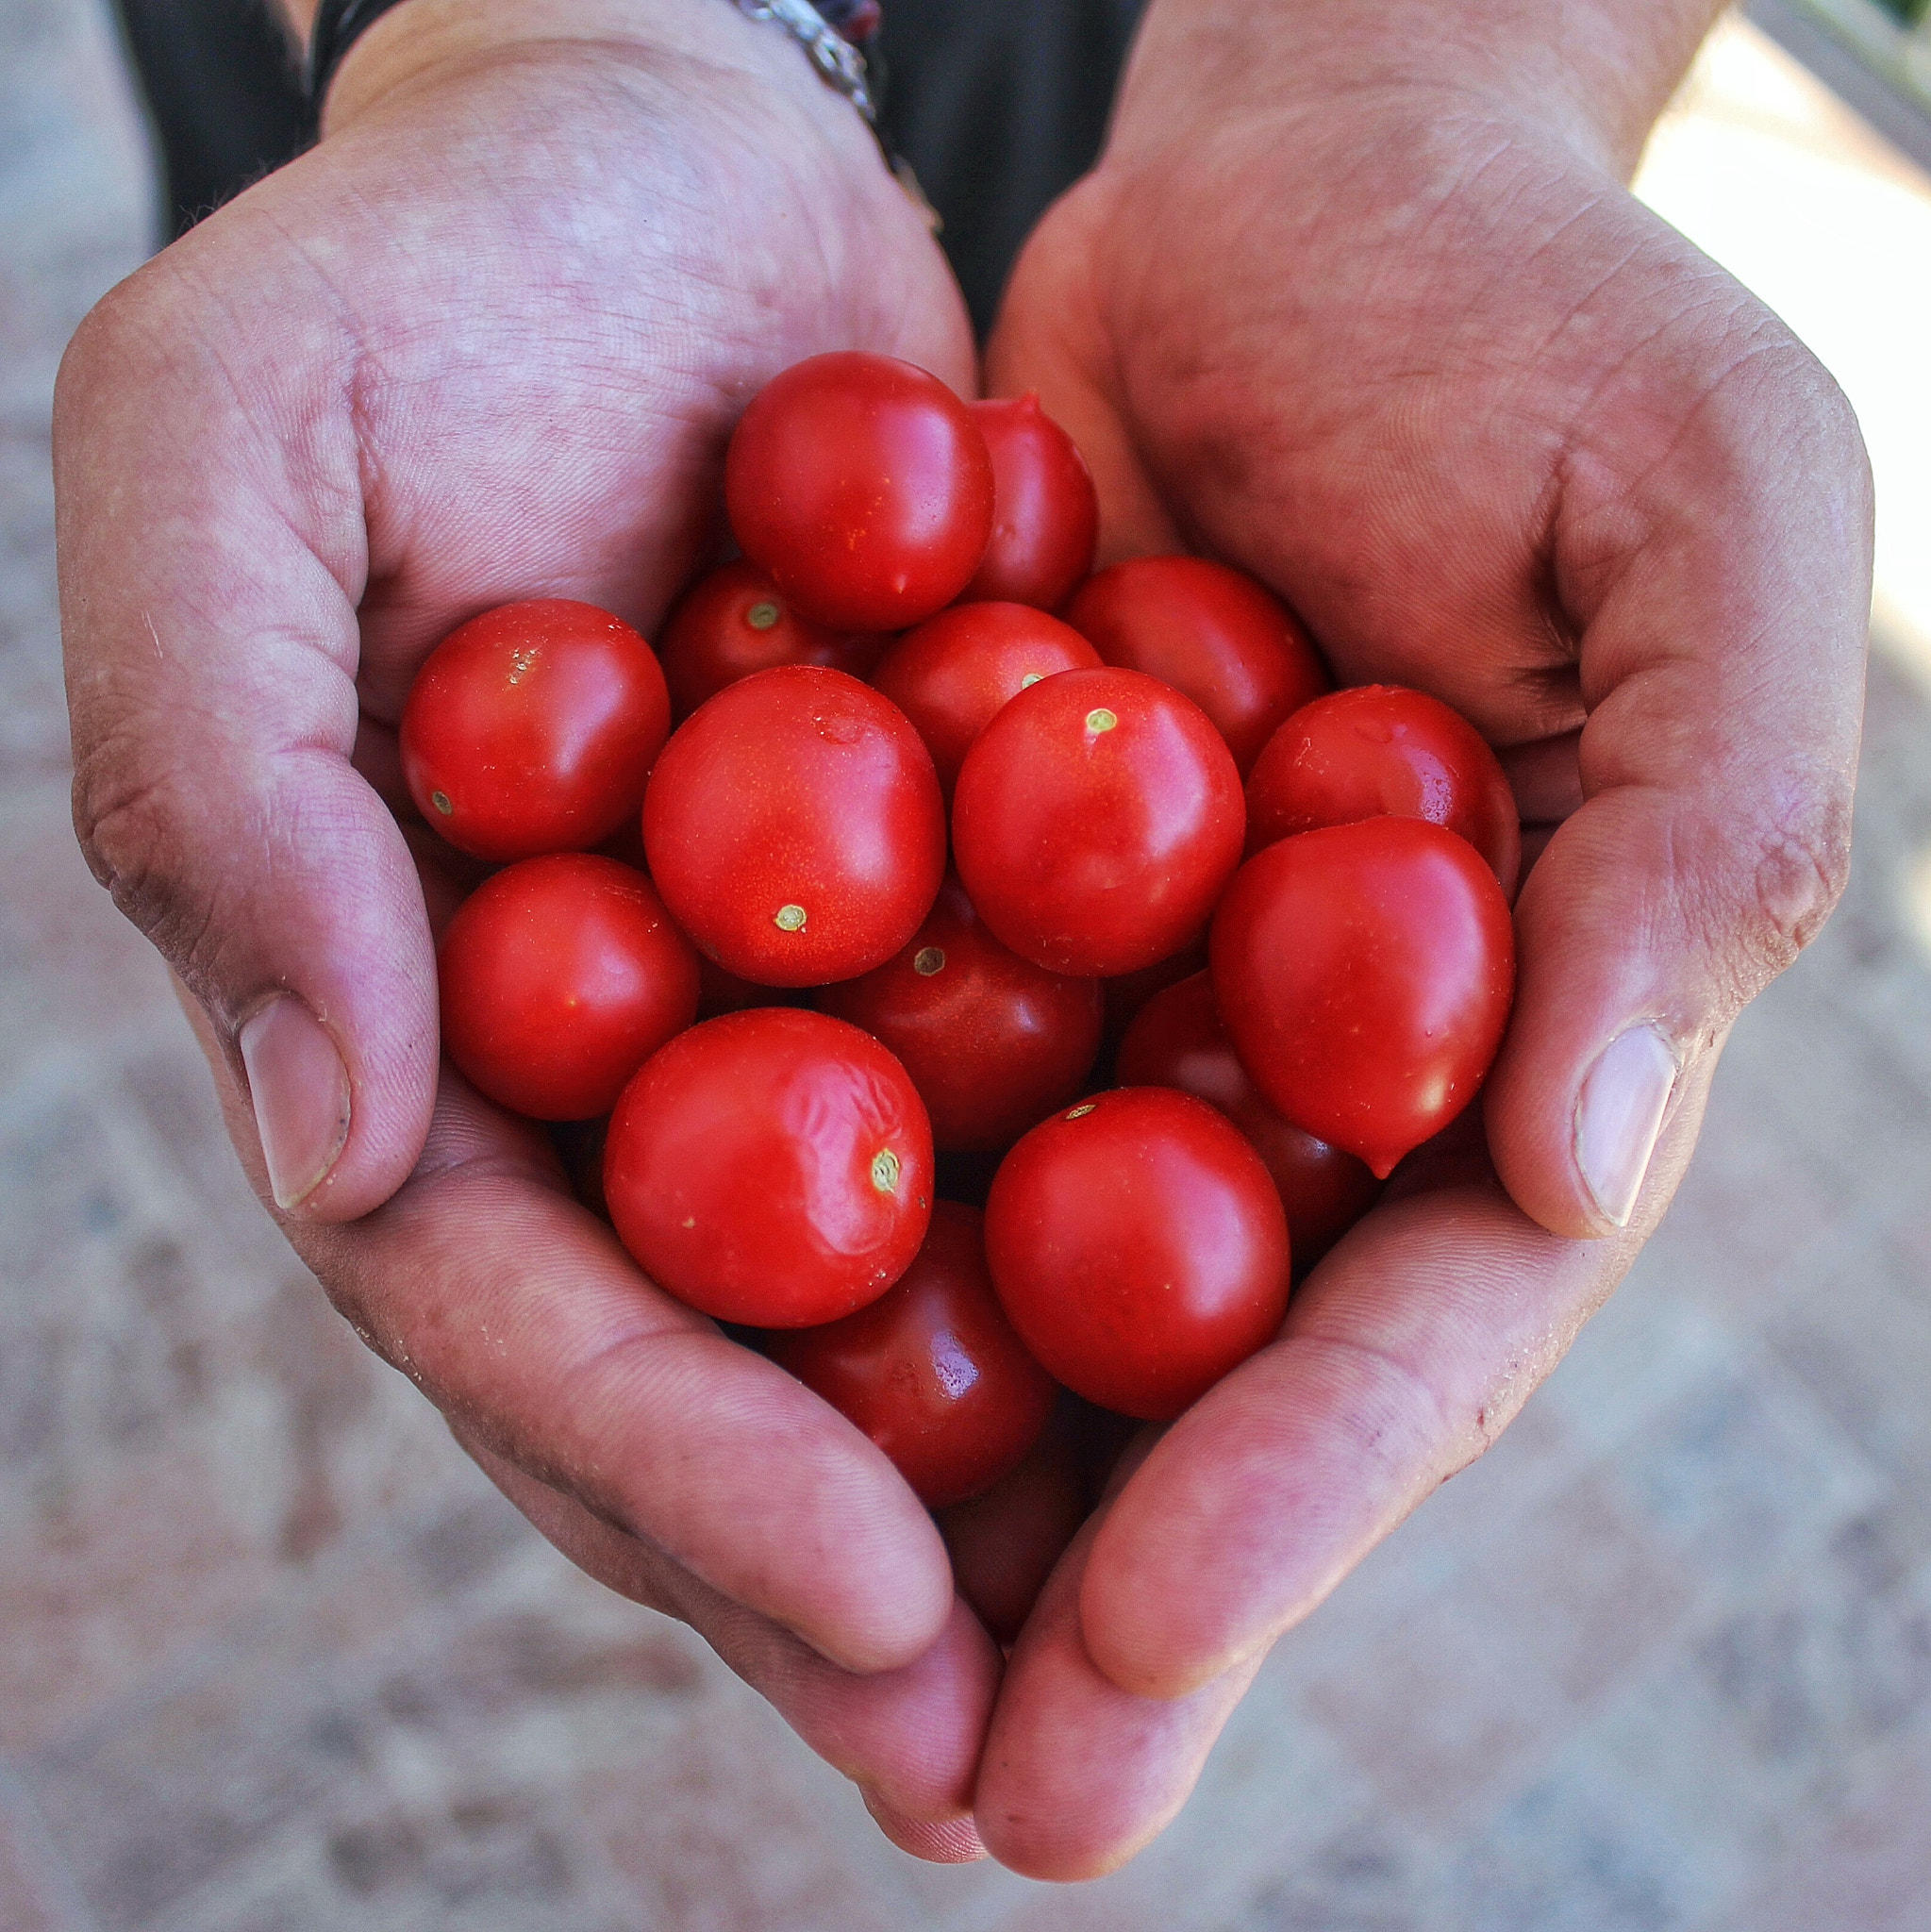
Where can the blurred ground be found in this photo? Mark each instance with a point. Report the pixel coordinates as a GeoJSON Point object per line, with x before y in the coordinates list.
{"type": "Point", "coordinates": [274, 1658]}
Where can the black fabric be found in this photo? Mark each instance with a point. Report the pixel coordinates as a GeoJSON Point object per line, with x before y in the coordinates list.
{"type": "Point", "coordinates": [998, 105]}
{"type": "Point", "coordinates": [224, 93]}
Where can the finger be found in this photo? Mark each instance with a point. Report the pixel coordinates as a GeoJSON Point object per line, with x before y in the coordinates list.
{"type": "Point", "coordinates": [909, 1739]}
{"type": "Point", "coordinates": [1722, 601]}
{"type": "Point", "coordinates": [211, 666]}
{"type": "Point", "coordinates": [1078, 1774]}
{"type": "Point", "coordinates": [1404, 1354]}
{"type": "Point", "coordinates": [518, 1314]}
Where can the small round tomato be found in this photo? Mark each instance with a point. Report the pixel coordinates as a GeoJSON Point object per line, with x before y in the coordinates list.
{"type": "Point", "coordinates": [993, 1043]}
{"type": "Point", "coordinates": [559, 977]}
{"type": "Point", "coordinates": [1097, 820]}
{"type": "Point", "coordinates": [532, 728]}
{"type": "Point", "coordinates": [1139, 1247]}
{"type": "Point", "coordinates": [864, 486]}
{"type": "Point", "coordinates": [1177, 1040]}
{"type": "Point", "coordinates": [1045, 510]}
{"type": "Point", "coordinates": [1227, 641]}
{"type": "Point", "coordinates": [1380, 748]}
{"type": "Point", "coordinates": [931, 1370]}
{"type": "Point", "coordinates": [955, 670]}
{"type": "Point", "coordinates": [1364, 973]}
{"type": "Point", "coordinates": [772, 1167]}
{"type": "Point", "coordinates": [736, 621]}
{"type": "Point", "coordinates": [794, 826]}
{"type": "Point", "coordinates": [1128, 993]}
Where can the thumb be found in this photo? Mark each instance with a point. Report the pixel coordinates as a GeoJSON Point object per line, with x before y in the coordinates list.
{"type": "Point", "coordinates": [1722, 600]}
{"type": "Point", "coordinates": [211, 661]}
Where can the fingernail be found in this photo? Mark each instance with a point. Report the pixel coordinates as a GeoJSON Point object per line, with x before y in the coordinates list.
{"type": "Point", "coordinates": [301, 1093]}
{"type": "Point", "coordinates": [1619, 1117]}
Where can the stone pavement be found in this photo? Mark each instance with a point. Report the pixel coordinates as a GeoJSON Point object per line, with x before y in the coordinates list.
{"type": "Point", "coordinates": [274, 1658]}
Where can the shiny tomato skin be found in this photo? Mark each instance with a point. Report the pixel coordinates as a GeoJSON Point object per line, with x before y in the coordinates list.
{"type": "Point", "coordinates": [864, 486]}
{"type": "Point", "coordinates": [1097, 820]}
{"type": "Point", "coordinates": [954, 672]}
{"type": "Point", "coordinates": [794, 827]}
{"type": "Point", "coordinates": [1210, 631]}
{"type": "Point", "coordinates": [1045, 510]}
{"type": "Point", "coordinates": [1139, 1249]}
{"type": "Point", "coordinates": [735, 620]}
{"type": "Point", "coordinates": [772, 1167]}
{"type": "Point", "coordinates": [1364, 973]}
{"type": "Point", "coordinates": [931, 1370]}
{"type": "Point", "coordinates": [559, 977]}
{"type": "Point", "coordinates": [992, 1043]}
{"type": "Point", "coordinates": [1127, 994]}
{"type": "Point", "coordinates": [1176, 1040]}
{"type": "Point", "coordinates": [532, 728]}
{"type": "Point", "coordinates": [1378, 748]}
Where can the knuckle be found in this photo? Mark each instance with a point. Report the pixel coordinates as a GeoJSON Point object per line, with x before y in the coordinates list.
{"type": "Point", "coordinates": [1796, 873]}
{"type": "Point", "coordinates": [132, 823]}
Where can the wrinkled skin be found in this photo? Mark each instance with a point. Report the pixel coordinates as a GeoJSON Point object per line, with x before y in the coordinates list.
{"type": "Point", "coordinates": [1382, 327]}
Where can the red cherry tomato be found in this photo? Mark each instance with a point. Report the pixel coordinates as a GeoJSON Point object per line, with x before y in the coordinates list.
{"type": "Point", "coordinates": [932, 1370]}
{"type": "Point", "coordinates": [1097, 820]}
{"type": "Point", "coordinates": [736, 621]}
{"type": "Point", "coordinates": [1379, 748]}
{"type": "Point", "coordinates": [1227, 641]}
{"type": "Point", "coordinates": [772, 1167]}
{"type": "Point", "coordinates": [1139, 1249]}
{"type": "Point", "coordinates": [1177, 1040]}
{"type": "Point", "coordinates": [559, 977]}
{"type": "Point", "coordinates": [993, 1043]}
{"type": "Point", "coordinates": [532, 727]}
{"type": "Point", "coordinates": [863, 485]}
{"type": "Point", "coordinates": [794, 827]}
{"type": "Point", "coordinates": [1127, 994]}
{"type": "Point", "coordinates": [952, 674]}
{"type": "Point", "coordinates": [1364, 973]}
{"type": "Point", "coordinates": [1045, 512]}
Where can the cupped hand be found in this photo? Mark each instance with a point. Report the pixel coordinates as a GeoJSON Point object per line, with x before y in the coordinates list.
{"type": "Point", "coordinates": [487, 341]}
{"type": "Point", "coordinates": [1371, 314]}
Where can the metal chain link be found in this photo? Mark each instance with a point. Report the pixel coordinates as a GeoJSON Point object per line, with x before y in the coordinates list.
{"type": "Point", "coordinates": [835, 58]}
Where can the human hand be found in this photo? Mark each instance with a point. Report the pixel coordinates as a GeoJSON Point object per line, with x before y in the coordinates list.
{"type": "Point", "coordinates": [487, 341]}
{"type": "Point", "coordinates": [1355, 299]}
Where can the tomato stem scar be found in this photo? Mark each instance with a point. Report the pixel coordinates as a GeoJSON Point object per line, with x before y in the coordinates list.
{"type": "Point", "coordinates": [788, 919]}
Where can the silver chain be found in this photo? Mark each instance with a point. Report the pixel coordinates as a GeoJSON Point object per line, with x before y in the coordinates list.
{"type": "Point", "coordinates": [834, 57]}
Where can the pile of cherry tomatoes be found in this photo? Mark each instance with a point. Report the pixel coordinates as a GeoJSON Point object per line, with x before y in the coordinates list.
{"type": "Point", "coordinates": [1125, 900]}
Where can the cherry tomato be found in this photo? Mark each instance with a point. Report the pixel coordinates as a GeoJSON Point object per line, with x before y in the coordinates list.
{"type": "Point", "coordinates": [772, 1167]}
{"type": "Point", "coordinates": [931, 1370]}
{"type": "Point", "coordinates": [1380, 748]}
{"type": "Point", "coordinates": [532, 727]}
{"type": "Point", "coordinates": [1045, 512]}
{"type": "Point", "coordinates": [993, 1043]}
{"type": "Point", "coordinates": [1128, 993]}
{"type": "Point", "coordinates": [864, 486]}
{"type": "Point", "coordinates": [1097, 820]}
{"type": "Point", "coordinates": [736, 621]}
{"type": "Point", "coordinates": [1227, 641]}
{"type": "Point", "coordinates": [1364, 973]}
{"type": "Point", "coordinates": [1005, 1542]}
{"type": "Point", "coordinates": [1177, 1040]}
{"type": "Point", "coordinates": [1139, 1247]}
{"type": "Point", "coordinates": [952, 674]}
{"type": "Point", "coordinates": [794, 827]}
{"type": "Point", "coordinates": [559, 977]}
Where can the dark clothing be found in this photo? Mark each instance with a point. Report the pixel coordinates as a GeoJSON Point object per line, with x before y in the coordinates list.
{"type": "Point", "coordinates": [999, 104]}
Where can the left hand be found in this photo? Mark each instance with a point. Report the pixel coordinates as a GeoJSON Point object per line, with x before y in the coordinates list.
{"type": "Point", "coordinates": [1356, 300]}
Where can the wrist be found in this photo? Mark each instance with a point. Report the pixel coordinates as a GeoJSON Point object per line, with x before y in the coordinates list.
{"type": "Point", "coordinates": [1594, 73]}
{"type": "Point", "coordinates": [424, 40]}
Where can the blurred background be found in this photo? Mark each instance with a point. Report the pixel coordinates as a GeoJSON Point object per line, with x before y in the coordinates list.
{"type": "Point", "coordinates": [273, 1656]}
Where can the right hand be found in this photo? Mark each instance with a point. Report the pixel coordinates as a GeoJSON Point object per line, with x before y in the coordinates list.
{"type": "Point", "coordinates": [487, 341]}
